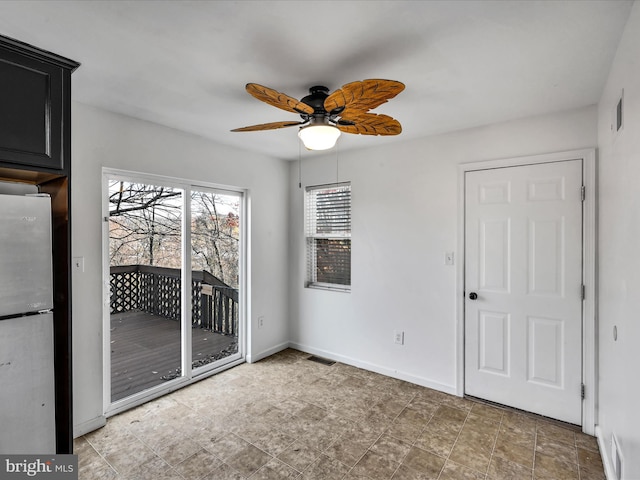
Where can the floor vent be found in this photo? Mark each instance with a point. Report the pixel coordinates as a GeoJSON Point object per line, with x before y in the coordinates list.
{"type": "Point", "coordinates": [323, 361]}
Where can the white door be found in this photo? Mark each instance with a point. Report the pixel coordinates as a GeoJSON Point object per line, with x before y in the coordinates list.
{"type": "Point", "coordinates": [523, 287]}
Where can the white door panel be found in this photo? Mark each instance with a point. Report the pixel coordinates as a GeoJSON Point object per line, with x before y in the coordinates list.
{"type": "Point", "coordinates": [523, 259]}
{"type": "Point", "coordinates": [546, 256]}
{"type": "Point", "coordinates": [494, 255]}
{"type": "Point", "coordinates": [546, 351]}
{"type": "Point", "coordinates": [493, 342]}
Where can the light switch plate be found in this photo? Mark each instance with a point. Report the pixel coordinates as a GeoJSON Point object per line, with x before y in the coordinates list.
{"type": "Point", "coordinates": [78, 264]}
{"type": "Point", "coordinates": [448, 258]}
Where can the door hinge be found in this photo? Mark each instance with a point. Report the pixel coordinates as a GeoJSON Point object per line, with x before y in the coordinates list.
{"type": "Point", "coordinates": [583, 193]}
{"type": "Point", "coordinates": [583, 291]}
{"type": "Point", "coordinates": [582, 391]}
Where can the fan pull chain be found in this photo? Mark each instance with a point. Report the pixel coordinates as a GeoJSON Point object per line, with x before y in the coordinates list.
{"type": "Point", "coordinates": [299, 165]}
{"type": "Point", "coordinates": [337, 164]}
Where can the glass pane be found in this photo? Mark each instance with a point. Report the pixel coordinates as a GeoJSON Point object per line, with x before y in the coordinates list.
{"type": "Point", "coordinates": [328, 210]}
{"type": "Point", "coordinates": [332, 261]}
{"type": "Point", "coordinates": [215, 265]}
{"type": "Point", "coordinates": [145, 238]}
{"type": "Point", "coordinates": [333, 210]}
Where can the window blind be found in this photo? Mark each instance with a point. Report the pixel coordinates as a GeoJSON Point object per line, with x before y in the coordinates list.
{"type": "Point", "coordinates": [328, 233]}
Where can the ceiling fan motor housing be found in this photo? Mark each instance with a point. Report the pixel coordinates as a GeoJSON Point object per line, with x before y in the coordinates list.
{"type": "Point", "coordinates": [316, 97]}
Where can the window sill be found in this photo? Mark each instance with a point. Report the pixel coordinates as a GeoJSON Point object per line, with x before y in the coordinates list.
{"type": "Point", "coordinates": [329, 287]}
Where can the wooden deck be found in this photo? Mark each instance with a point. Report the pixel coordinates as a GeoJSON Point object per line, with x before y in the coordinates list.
{"type": "Point", "coordinates": [145, 347]}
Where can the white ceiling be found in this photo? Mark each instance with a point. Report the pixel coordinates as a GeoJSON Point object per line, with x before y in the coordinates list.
{"type": "Point", "coordinates": [184, 64]}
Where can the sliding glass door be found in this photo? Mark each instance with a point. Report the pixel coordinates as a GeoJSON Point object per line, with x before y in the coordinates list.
{"type": "Point", "coordinates": [215, 274]}
{"type": "Point", "coordinates": [145, 267]}
{"type": "Point", "coordinates": [173, 262]}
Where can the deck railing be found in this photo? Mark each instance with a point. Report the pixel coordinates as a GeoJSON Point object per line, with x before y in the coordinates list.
{"type": "Point", "coordinates": [157, 290]}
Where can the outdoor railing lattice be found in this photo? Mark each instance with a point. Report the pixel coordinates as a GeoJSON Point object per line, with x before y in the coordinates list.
{"type": "Point", "coordinates": [157, 290]}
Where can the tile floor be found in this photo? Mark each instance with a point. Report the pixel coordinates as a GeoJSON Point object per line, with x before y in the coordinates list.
{"type": "Point", "coordinates": [290, 418]}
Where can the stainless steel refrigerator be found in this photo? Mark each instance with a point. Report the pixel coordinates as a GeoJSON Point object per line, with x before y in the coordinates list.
{"type": "Point", "coordinates": [27, 386]}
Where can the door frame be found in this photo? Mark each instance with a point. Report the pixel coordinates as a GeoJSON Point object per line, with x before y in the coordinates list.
{"type": "Point", "coordinates": [589, 337]}
{"type": "Point", "coordinates": [112, 408]}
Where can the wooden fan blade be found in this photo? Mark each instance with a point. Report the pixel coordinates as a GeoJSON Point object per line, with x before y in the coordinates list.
{"type": "Point", "coordinates": [370, 124]}
{"type": "Point", "coordinates": [362, 96]}
{"type": "Point", "coordinates": [267, 126]}
{"type": "Point", "coordinates": [278, 99]}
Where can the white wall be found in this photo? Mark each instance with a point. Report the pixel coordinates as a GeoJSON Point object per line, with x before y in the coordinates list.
{"type": "Point", "coordinates": [103, 139]}
{"type": "Point", "coordinates": [404, 220]}
{"type": "Point", "coordinates": [619, 254]}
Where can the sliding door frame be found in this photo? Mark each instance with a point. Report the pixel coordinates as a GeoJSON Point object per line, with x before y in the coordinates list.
{"type": "Point", "coordinates": [189, 375]}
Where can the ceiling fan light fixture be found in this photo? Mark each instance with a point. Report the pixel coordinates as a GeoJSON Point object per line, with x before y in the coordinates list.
{"type": "Point", "coordinates": [319, 136]}
{"type": "Point", "coordinates": [347, 107]}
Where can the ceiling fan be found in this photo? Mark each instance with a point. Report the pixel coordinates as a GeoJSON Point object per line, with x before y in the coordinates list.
{"type": "Point", "coordinates": [325, 116]}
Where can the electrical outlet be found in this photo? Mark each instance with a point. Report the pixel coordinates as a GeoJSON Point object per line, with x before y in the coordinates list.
{"type": "Point", "coordinates": [261, 321]}
{"type": "Point", "coordinates": [398, 337]}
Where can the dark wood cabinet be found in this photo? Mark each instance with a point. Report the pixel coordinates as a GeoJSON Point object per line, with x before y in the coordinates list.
{"type": "Point", "coordinates": [35, 148]}
{"type": "Point", "coordinates": [35, 93]}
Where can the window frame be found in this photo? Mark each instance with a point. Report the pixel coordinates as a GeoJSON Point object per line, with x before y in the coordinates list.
{"type": "Point", "coordinates": [342, 232]}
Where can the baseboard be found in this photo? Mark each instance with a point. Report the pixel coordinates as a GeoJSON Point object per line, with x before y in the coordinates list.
{"type": "Point", "coordinates": [604, 453]}
{"type": "Point", "coordinates": [267, 353]}
{"type": "Point", "coordinates": [372, 367]}
{"type": "Point", "coordinates": [89, 426]}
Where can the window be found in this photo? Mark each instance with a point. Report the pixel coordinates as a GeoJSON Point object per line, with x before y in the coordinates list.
{"type": "Point", "coordinates": [328, 233]}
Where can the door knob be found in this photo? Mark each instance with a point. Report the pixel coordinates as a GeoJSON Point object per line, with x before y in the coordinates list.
{"type": "Point", "coordinates": [473, 296]}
